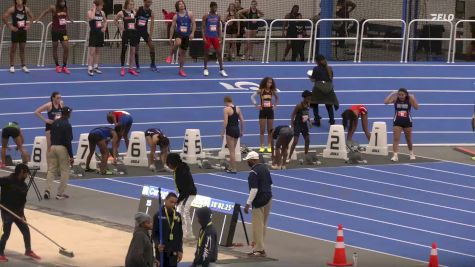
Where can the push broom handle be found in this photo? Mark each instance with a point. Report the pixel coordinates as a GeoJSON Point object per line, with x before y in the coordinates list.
{"type": "Point", "coordinates": [34, 228]}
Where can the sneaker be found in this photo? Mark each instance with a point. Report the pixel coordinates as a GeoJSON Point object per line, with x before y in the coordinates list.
{"type": "Point", "coordinates": [32, 255]}
{"type": "Point", "coordinates": [206, 72]}
{"type": "Point", "coordinates": [182, 73]}
{"type": "Point", "coordinates": [276, 167]}
{"type": "Point", "coordinates": [89, 170]}
{"type": "Point", "coordinates": [169, 60]}
{"type": "Point", "coordinates": [257, 254]}
{"type": "Point", "coordinates": [137, 69]}
{"type": "Point", "coordinates": [107, 172]}
{"type": "Point", "coordinates": [152, 167]}
{"type": "Point", "coordinates": [97, 70]}
{"type": "Point", "coordinates": [66, 70]}
{"type": "Point", "coordinates": [153, 68]}
{"type": "Point", "coordinates": [395, 158]}
{"type": "Point", "coordinates": [133, 72]}
{"type": "Point", "coordinates": [58, 69]}
{"type": "Point", "coordinates": [25, 69]}
{"type": "Point", "coordinates": [412, 156]}
{"type": "Point", "coordinates": [3, 258]}
{"type": "Point", "coordinates": [230, 171]}
{"type": "Point", "coordinates": [90, 72]}
{"type": "Point", "coordinates": [283, 168]}
{"type": "Point", "coordinates": [62, 196]}
{"type": "Point", "coordinates": [251, 58]}
{"type": "Point", "coordinates": [12, 69]}
{"type": "Point", "coordinates": [122, 71]}
{"type": "Point", "coordinates": [243, 57]}
{"type": "Point", "coordinates": [46, 195]}
{"type": "Point", "coordinates": [262, 149]}
{"type": "Point", "coordinates": [269, 150]}
{"type": "Point", "coordinates": [223, 73]}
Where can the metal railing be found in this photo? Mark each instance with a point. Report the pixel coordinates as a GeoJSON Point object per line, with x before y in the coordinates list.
{"type": "Point", "coordinates": [309, 38]}
{"type": "Point", "coordinates": [335, 37]}
{"type": "Point", "coordinates": [409, 38]}
{"type": "Point", "coordinates": [402, 38]}
{"type": "Point", "coordinates": [246, 38]}
{"type": "Point", "coordinates": [455, 38]}
{"type": "Point", "coordinates": [40, 42]}
{"type": "Point", "coordinates": [72, 41]}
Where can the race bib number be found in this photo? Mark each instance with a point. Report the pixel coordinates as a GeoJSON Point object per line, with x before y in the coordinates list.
{"type": "Point", "coordinates": [62, 22]}
{"type": "Point", "coordinates": [213, 28]}
{"type": "Point", "coordinates": [142, 22]}
{"type": "Point", "coordinates": [304, 118]}
{"type": "Point", "coordinates": [267, 104]}
{"type": "Point", "coordinates": [131, 26]}
{"type": "Point", "coordinates": [99, 24]}
{"type": "Point", "coordinates": [402, 114]}
{"type": "Point", "coordinates": [65, 38]}
{"type": "Point", "coordinates": [57, 116]}
{"type": "Point", "coordinates": [300, 36]}
{"type": "Point", "coordinates": [21, 24]}
{"type": "Point", "coordinates": [183, 29]}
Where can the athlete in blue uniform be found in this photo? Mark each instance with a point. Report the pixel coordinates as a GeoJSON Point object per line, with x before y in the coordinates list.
{"type": "Point", "coordinates": [53, 109]}
{"type": "Point", "coordinates": [300, 122]}
{"type": "Point", "coordinates": [402, 121]}
{"type": "Point", "coordinates": [100, 137]}
{"type": "Point", "coordinates": [184, 27]}
{"type": "Point", "coordinates": [282, 135]}
{"type": "Point", "coordinates": [123, 123]}
{"type": "Point", "coordinates": [156, 137]}
{"type": "Point", "coordinates": [143, 15]}
{"type": "Point", "coordinates": [211, 31]}
{"type": "Point", "coordinates": [233, 118]}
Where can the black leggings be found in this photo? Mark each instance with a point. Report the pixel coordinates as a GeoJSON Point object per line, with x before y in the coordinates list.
{"type": "Point", "coordinates": [8, 221]}
{"type": "Point", "coordinates": [331, 114]}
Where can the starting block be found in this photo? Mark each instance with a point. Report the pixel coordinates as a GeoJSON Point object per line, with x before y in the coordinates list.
{"type": "Point", "coordinates": [39, 154]}
{"type": "Point", "coordinates": [78, 171]}
{"type": "Point", "coordinates": [192, 147]}
{"type": "Point", "coordinates": [309, 159]}
{"type": "Point", "coordinates": [137, 150]}
{"type": "Point", "coordinates": [336, 144]}
{"type": "Point", "coordinates": [378, 142]}
{"type": "Point", "coordinates": [215, 164]}
{"type": "Point", "coordinates": [83, 151]}
{"type": "Point", "coordinates": [224, 152]}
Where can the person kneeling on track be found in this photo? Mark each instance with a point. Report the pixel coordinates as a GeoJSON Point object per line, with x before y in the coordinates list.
{"type": "Point", "coordinates": [101, 136]}
{"type": "Point", "coordinates": [156, 137]}
{"type": "Point", "coordinates": [350, 120]}
{"type": "Point", "coordinates": [282, 135]}
{"type": "Point", "coordinates": [12, 129]}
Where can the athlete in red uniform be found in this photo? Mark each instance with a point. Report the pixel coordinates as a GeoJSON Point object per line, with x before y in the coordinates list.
{"type": "Point", "coordinates": [350, 120]}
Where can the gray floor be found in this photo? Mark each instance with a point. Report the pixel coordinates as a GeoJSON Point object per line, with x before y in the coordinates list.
{"type": "Point", "coordinates": [284, 249]}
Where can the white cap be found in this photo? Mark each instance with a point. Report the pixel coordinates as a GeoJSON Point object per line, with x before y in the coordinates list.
{"type": "Point", "coordinates": [252, 155]}
{"type": "Point", "coordinates": [310, 73]}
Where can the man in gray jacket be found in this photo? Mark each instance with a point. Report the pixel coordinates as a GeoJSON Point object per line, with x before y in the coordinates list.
{"type": "Point", "coordinates": [140, 252]}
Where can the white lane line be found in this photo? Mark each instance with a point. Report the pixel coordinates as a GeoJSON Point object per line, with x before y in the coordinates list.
{"type": "Point", "coordinates": [416, 177]}
{"type": "Point", "coordinates": [305, 206]}
{"type": "Point", "coordinates": [223, 92]}
{"type": "Point", "coordinates": [456, 173]}
{"type": "Point", "coordinates": [399, 186]}
{"type": "Point", "coordinates": [210, 107]}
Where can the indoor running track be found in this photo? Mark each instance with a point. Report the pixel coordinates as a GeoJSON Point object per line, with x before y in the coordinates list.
{"type": "Point", "coordinates": [165, 100]}
{"type": "Point", "coordinates": [397, 209]}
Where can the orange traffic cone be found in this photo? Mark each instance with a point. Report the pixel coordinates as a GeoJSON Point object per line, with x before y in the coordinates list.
{"type": "Point", "coordinates": [339, 258]}
{"type": "Point", "coordinates": [434, 259]}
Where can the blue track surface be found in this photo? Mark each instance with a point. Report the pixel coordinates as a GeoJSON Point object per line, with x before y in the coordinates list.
{"type": "Point", "coordinates": [396, 209]}
{"type": "Point", "coordinates": [164, 100]}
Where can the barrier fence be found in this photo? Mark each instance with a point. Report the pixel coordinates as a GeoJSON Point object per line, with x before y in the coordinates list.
{"type": "Point", "coordinates": [408, 35]}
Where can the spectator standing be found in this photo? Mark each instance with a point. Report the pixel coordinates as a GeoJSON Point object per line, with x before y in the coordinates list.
{"type": "Point", "coordinates": [171, 244]}
{"type": "Point", "coordinates": [61, 154]}
{"type": "Point", "coordinates": [297, 30]}
{"type": "Point", "coordinates": [13, 197]}
{"type": "Point", "coordinates": [323, 93]}
{"type": "Point", "coordinates": [232, 30]}
{"type": "Point", "coordinates": [185, 187]}
{"type": "Point", "coordinates": [252, 27]}
{"type": "Point", "coordinates": [285, 30]}
{"type": "Point", "coordinates": [140, 253]}
{"type": "Point", "coordinates": [343, 10]}
{"type": "Point", "coordinates": [260, 198]}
